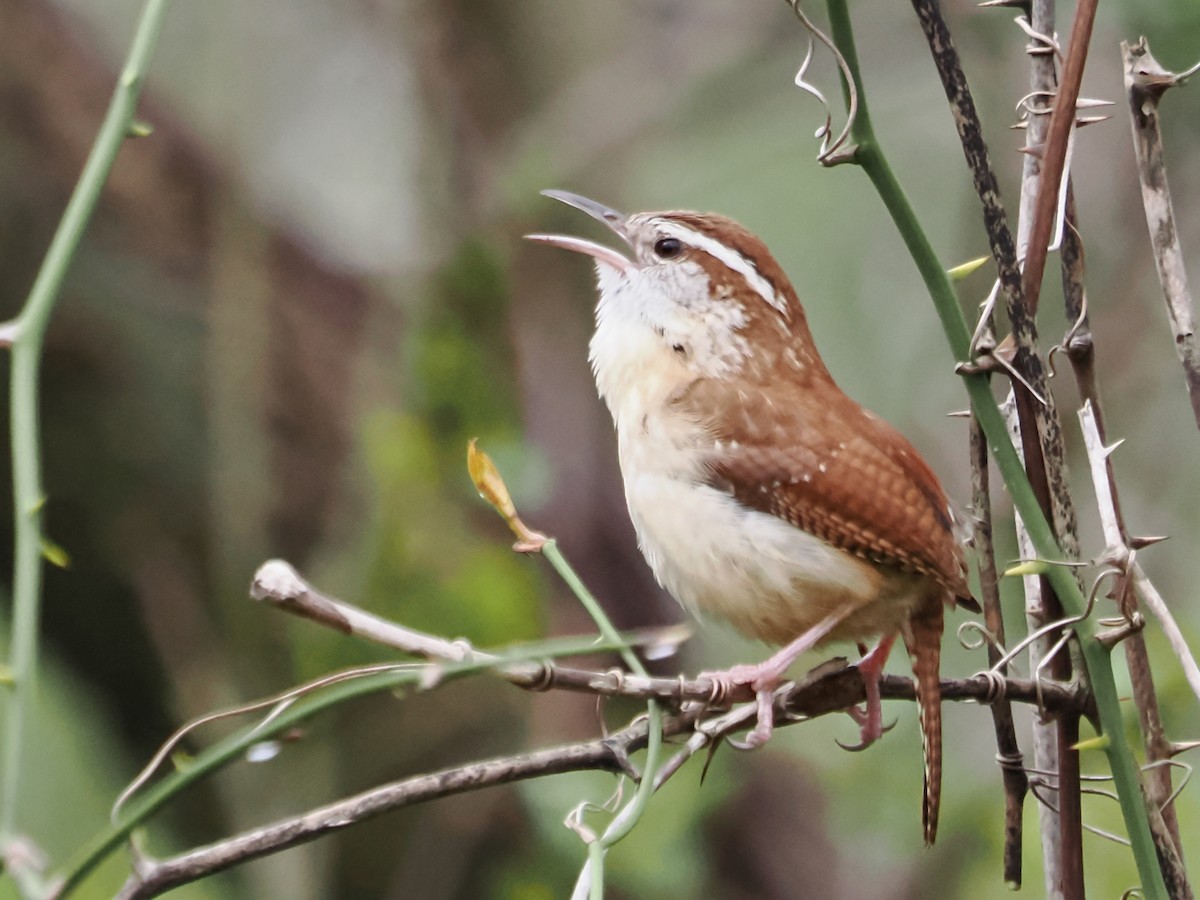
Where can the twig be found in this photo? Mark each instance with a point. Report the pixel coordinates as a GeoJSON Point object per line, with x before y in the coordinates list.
{"type": "Point", "coordinates": [831, 687]}
{"type": "Point", "coordinates": [1145, 82]}
{"type": "Point", "coordinates": [154, 877]}
{"type": "Point", "coordinates": [1040, 604]}
{"type": "Point", "coordinates": [1117, 550]}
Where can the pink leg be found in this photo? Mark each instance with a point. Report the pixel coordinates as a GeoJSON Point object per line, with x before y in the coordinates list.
{"type": "Point", "coordinates": [870, 720]}
{"type": "Point", "coordinates": [764, 677]}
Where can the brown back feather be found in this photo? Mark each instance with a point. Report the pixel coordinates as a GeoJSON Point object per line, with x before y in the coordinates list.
{"type": "Point", "coordinates": [822, 463]}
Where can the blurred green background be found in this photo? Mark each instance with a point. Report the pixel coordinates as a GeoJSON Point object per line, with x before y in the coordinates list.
{"type": "Point", "coordinates": [305, 292]}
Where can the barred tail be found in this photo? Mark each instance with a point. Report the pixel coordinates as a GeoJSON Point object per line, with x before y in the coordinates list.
{"type": "Point", "coordinates": [923, 638]}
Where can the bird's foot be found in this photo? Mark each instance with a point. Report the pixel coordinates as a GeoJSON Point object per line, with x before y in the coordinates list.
{"type": "Point", "coordinates": [760, 678]}
{"type": "Point", "coordinates": [764, 677]}
{"type": "Point", "coordinates": [870, 717]}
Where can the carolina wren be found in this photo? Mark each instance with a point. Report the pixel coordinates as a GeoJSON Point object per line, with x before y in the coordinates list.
{"type": "Point", "coordinates": [760, 493]}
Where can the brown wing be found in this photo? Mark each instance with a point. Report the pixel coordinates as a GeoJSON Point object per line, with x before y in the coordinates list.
{"type": "Point", "coordinates": [834, 470]}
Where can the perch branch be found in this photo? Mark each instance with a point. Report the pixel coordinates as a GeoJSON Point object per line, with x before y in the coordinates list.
{"type": "Point", "coordinates": [833, 691]}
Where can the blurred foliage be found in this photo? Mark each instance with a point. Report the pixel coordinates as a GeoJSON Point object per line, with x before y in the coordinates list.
{"type": "Point", "coordinates": [306, 291]}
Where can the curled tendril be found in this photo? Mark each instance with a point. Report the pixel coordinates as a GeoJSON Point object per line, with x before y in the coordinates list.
{"type": "Point", "coordinates": [997, 686]}
{"type": "Point", "coordinates": [828, 154]}
{"type": "Point", "coordinates": [974, 635]}
{"type": "Point", "coordinates": [1047, 42]}
{"type": "Point", "coordinates": [277, 704]}
{"type": "Point", "coordinates": [1175, 764]}
{"type": "Point", "coordinates": [1064, 346]}
{"type": "Point", "coordinates": [1025, 108]}
{"type": "Point", "coordinates": [1050, 627]}
{"type": "Point", "coordinates": [1034, 784]}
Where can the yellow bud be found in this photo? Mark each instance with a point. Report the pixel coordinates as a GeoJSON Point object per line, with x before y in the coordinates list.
{"type": "Point", "coordinates": [487, 480]}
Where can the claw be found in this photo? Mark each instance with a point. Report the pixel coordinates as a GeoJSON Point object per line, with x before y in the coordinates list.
{"type": "Point", "coordinates": [864, 741]}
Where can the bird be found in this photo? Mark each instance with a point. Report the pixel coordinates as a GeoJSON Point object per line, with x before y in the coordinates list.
{"type": "Point", "coordinates": [760, 493]}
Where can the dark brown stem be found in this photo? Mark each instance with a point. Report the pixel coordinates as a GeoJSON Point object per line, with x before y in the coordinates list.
{"type": "Point", "coordinates": [1008, 750]}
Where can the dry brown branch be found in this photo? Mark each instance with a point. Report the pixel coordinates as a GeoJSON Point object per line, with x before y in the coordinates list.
{"type": "Point", "coordinates": [823, 691]}
{"type": "Point", "coordinates": [1080, 350]}
{"type": "Point", "coordinates": [1118, 553]}
{"type": "Point", "coordinates": [831, 687]}
{"type": "Point", "coordinates": [1145, 83]}
{"type": "Point", "coordinates": [1008, 749]}
{"type": "Point", "coordinates": [154, 877]}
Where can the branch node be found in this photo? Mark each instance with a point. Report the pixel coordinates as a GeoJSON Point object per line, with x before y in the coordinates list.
{"type": "Point", "coordinates": [1132, 625]}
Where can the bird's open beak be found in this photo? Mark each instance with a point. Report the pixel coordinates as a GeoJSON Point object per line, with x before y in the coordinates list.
{"type": "Point", "coordinates": [610, 217]}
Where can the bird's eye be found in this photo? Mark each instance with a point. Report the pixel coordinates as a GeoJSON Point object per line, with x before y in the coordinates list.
{"type": "Point", "coordinates": [668, 247]}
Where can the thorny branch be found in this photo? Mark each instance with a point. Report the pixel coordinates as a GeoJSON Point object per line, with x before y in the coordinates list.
{"type": "Point", "coordinates": [1119, 553]}
{"type": "Point", "coordinates": [1080, 350]}
{"type": "Point", "coordinates": [1145, 83]}
{"type": "Point", "coordinates": [831, 687]}
{"type": "Point", "coordinates": [1040, 432]}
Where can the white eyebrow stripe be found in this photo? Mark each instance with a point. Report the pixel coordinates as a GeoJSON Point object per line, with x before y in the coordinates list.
{"type": "Point", "coordinates": [729, 257]}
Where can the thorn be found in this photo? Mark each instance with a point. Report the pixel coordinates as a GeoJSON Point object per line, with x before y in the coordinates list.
{"type": "Point", "coordinates": [1108, 451]}
{"type": "Point", "coordinates": [959, 414]}
{"type": "Point", "coordinates": [1178, 747]}
{"type": "Point", "coordinates": [1027, 567]}
{"type": "Point", "coordinates": [1084, 121]}
{"type": "Point", "coordinates": [1089, 103]}
{"type": "Point", "coordinates": [1110, 639]}
{"type": "Point", "coordinates": [1035, 151]}
{"type": "Point", "coordinates": [1100, 742]}
{"type": "Point", "coordinates": [1001, 4]}
{"type": "Point", "coordinates": [1019, 126]}
{"type": "Point", "coordinates": [1140, 543]}
{"type": "Point", "coordinates": [961, 271]}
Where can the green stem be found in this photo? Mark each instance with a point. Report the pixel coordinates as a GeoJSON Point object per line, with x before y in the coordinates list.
{"type": "Point", "coordinates": [143, 804]}
{"type": "Point", "coordinates": [29, 330]}
{"type": "Point", "coordinates": [624, 821]}
{"type": "Point", "coordinates": [1126, 775]}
